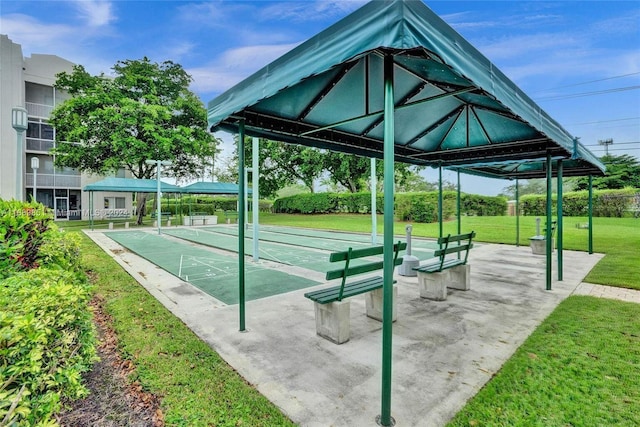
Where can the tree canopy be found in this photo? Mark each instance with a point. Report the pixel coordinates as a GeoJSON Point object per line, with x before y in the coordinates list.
{"type": "Point", "coordinates": [622, 171]}
{"type": "Point", "coordinates": [145, 112]}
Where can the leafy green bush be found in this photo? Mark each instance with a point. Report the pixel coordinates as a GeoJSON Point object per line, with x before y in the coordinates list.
{"type": "Point", "coordinates": [606, 203]}
{"type": "Point", "coordinates": [46, 341]}
{"type": "Point", "coordinates": [417, 207]}
{"type": "Point", "coordinates": [46, 332]}
{"type": "Point", "coordinates": [22, 227]}
{"type": "Point", "coordinates": [208, 204]}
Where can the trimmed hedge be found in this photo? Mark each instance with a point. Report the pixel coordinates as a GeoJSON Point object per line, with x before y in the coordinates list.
{"type": "Point", "coordinates": [47, 338]}
{"type": "Point", "coordinates": [417, 207]}
{"type": "Point", "coordinates": [606, 203]}
{"type": "Point", "coordinates": [207, 204]}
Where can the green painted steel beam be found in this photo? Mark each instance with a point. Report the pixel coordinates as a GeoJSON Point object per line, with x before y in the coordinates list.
{"type": "Point", "coordinates": [517, 213]}
{"type": "Point", "coordinates": [385, 418]}
{"type": "Point", "coordinates": [458, 209]}
{"type": "Point", "coordinates": [559, 244]}
{"type": "Point", "coordinates": [241, 219]}
{"type": "Point", "coordinates": [590, 214]}
{"type": "Point", "coordinates": [440, 201]}
{"type": "Point", "coordinates": [548, 241]}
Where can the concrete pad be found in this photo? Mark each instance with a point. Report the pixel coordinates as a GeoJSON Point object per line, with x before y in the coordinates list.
{"type": "Point", "coordinates": [443, 352]}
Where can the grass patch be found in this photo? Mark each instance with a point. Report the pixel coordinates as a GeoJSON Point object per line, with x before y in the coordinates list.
{"type": "Point", "coordinates": [196, 386]}
{"type": "Point", "coordinates": [618, 238]}
{"type": "Point", "coordinates": [579, 368]}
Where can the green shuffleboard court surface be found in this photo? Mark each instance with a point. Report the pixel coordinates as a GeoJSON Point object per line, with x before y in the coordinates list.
{"type": "Point", "coordinates": [215, 274]}
{"type": "Point", "coordinates": [284, 254]}
{"type": "Point", "coordinates": [331, 241]}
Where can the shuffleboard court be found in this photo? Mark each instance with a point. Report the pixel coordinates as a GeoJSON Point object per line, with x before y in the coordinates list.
{"type": "Point", "coordinates": [326, 240]}
{"type": "Point", "coordinates": [284, 254]}
{"type": "Point", "coordinates": [215, 274]}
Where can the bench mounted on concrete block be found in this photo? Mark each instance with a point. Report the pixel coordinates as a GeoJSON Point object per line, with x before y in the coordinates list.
{"type": "Point", "coordinates": [331, 311]}
{"type": "Point", "coordinates": [435, 277]}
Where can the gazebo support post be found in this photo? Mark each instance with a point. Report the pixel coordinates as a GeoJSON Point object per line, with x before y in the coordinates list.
{"type": "Point", "coordinates": [385, 418]}
{"type": "Point", "coordinates": [255, 198]}
{"type": "Point", "coordinates": [548, 231]}
{"type": "Point", "coordinates": [590, 214]}
{"type": "Point", "coordinates": [458, 209]}
{"type": "Point", "coordinates": [91, 210]}
{"type": "Point", "coordinates": [241, 220]}
{"type": "Point", "coordinates": [374, 207]}
{"type": "Point", "coordinates": [559, 225]}
{"type": "Point", "coordinates": [440, 199]}
{"type": "Point", "coordinates": [517, 214]}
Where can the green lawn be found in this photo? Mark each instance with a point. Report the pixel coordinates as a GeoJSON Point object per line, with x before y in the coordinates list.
{"type": "Point", "coordinates": [578, 368]}
{"type": "Point", "coordinates": [196, 386]}
{"type": "Point", "coordinates": [618, 238]}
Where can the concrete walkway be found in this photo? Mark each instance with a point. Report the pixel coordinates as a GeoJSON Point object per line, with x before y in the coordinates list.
{"type": "Point", "coordinates": [443, 352]}
{"type": "Point", "coordinates": [601, 291]}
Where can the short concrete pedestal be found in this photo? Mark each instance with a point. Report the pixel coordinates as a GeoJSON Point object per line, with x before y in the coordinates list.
{"type": "Point", "coordinates": [434, 286]}
{"type": "Point", "coordinates": [539, 245]}
{"type": "Point", "coordinates": [460, 277]}
{"type": "Point", "coordinates": [332, 321]}
{"type": "Point", "coordinates": [374, 301]}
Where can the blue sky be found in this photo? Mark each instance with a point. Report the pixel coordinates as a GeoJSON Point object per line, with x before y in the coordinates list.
{"type": "Point", "coordinates": [579, 60]}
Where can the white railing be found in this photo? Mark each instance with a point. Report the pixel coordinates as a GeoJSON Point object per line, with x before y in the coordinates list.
{"type": "Point", "coordinates": [39, 110]}
{"type": "Point", "coordinates": [43, 145]}
{"type": "Point", "coordinates": [49, 180]}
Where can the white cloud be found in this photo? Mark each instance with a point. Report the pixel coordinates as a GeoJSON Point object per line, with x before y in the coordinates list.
{"type": "Point", "coordinates": [234, 65]}
{"type": "Point", "coordinates": [97, 13]}
{"type": "Point", "coordinates": [309, 11]}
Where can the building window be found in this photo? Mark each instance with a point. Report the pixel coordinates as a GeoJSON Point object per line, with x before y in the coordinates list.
{"type": "Point", "coordinates": [114, 203]}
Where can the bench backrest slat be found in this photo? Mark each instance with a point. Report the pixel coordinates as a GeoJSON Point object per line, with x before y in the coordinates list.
{"type": "Point", "coordinates": [450, 248]}
{"type": "Point", "coordinates": [456, 237]}
{"type": "Point", "coordinates": [349, 270]}
{"type": "Point", "coordinates": [359, 269]}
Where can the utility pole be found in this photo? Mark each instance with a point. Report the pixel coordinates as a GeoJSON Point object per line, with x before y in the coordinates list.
{"type": "Point", "coordinates": [606, 143]}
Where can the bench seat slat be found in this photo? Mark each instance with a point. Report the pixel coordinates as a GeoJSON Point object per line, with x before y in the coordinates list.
{"type": "Point", "coordinates": [325, 296]}
{"type": "Point", "coordinates": [435, 267]}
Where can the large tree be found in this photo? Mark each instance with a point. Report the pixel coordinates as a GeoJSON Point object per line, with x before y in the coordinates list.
{"type": "Point", "coordinates": [354, 172]}
{"type": "Point", "coordinates": [622, 171]}
{"type": "Point", "coordinates": [144, 112]}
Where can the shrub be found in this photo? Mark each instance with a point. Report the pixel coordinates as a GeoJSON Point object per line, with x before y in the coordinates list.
{"type": "Point", "coordinates": [417, 207]}
{"type": "Point", "coordinates": [46, 341]}
{"type": "Point", "coordinates": [21, 233]}
{"type": "Point", "coordinates": [606, 203]}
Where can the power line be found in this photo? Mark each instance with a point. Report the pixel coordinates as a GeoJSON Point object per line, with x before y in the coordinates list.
{"type": "Point", "coordinates": [604, 121]}
{"type": "Point", "coordinates": [586, 83]}
{"type": "Point", "coordinates": [582, 94]}
{"type": "Point", "coordinates": [617, 143]}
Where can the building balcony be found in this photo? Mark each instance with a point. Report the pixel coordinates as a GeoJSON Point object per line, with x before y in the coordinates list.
{"type": "Point", "coordinates": [38, 110]}
{"type": "Point", "coordinates": [40, 145]}
{"type": "Point", "coordinates": [48, 180]}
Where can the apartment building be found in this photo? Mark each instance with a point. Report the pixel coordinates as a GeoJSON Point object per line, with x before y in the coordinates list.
{"type": "Point", "coordinates": [27, 82]}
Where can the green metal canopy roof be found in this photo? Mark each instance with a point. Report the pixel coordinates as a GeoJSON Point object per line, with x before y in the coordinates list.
{"type": "Point", "coordinates": [132, 185]}
{"type": "Point", "coordinates": [212, 188]}
{"type": "Point", "coordinates": [452, 105]}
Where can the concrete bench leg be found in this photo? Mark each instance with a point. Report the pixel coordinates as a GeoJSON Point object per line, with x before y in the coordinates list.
{"type": "Point", "coordinates": [374, 303]}
{"type": "Point", "coordinates": [433, 286]}
{"type": "Point", "coordinates": [460, 277]}
{"type": "Point", "coordinates": [332, 321]}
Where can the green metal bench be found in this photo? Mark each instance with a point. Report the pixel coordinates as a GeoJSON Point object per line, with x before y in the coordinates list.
{"type": "Point", "coordinates": [332, 312]}
{"type": "Point", "coordinates": [230, 215]}
{"type": "Point", "coordinates": [435, 277]}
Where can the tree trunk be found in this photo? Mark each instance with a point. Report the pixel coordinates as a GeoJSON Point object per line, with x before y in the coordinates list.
{"type": "Point", "coordinates": [141, 205]}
